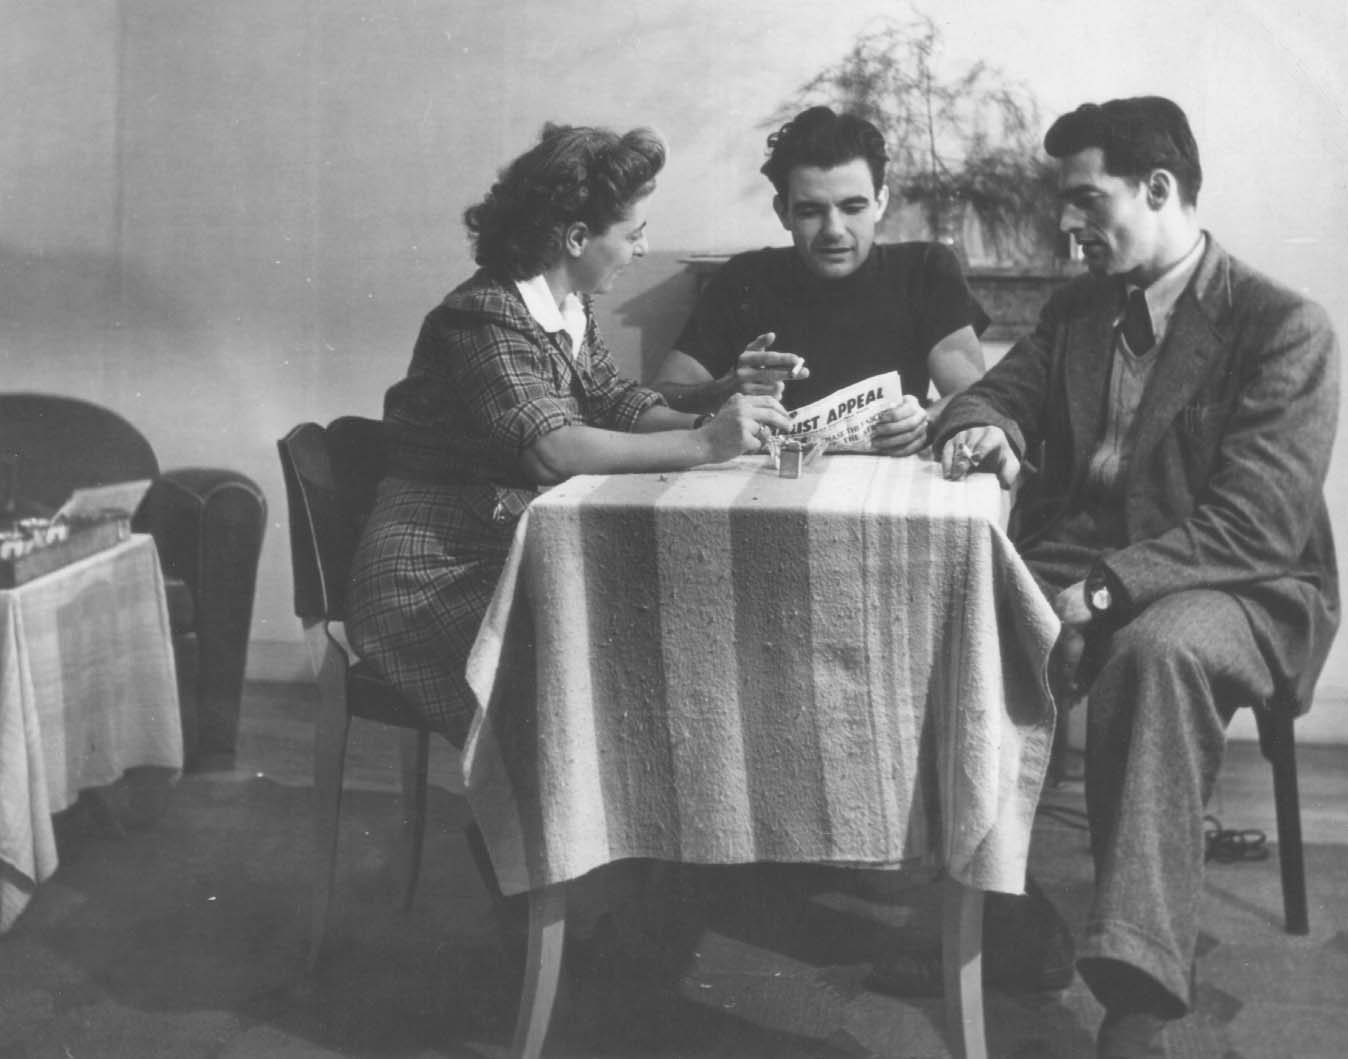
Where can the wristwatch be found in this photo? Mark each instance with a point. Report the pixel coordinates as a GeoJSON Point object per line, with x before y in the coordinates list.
{"type": "Point", "coordinates": [703, 419]}
{"type": "Point", "coordinates": [1099, 599]}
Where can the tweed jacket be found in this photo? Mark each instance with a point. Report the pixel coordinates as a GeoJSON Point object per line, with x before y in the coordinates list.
{"type": "Point", "coordinates": [1223, 488]}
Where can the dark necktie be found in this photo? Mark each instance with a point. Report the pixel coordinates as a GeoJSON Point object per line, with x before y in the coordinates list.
{"type": "Point", "coordinates": [1137, 330]}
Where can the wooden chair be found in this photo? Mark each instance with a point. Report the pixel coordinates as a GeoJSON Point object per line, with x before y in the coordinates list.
{"type": "Point", "coordinates": [330, 478]}
{"type": "Point", "coordinates": [1277, 742]}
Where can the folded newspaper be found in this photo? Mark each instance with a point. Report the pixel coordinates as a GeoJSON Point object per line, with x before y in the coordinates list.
{"type": "Point", "coordinates": [843, 421]}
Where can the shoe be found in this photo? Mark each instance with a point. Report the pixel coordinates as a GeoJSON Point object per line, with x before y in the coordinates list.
{"type": "Point", "coordinates": [1027, 948]}
{"type": "Point", "coordinates": [908, 974]}
{"type": "Point", "coordinates": [1027, 945]}
{"type": "Point", "coordinates": [1136, 1035]}
{"type": "Point", "coordinates": [918, 974]}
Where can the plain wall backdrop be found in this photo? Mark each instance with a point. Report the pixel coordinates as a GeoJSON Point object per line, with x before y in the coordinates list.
{"type": "Point", "coordinates": [222, 219]}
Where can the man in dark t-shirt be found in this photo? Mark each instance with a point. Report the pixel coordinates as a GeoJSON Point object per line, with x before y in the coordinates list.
{"type": "Point", "coordinates": [836, 306]}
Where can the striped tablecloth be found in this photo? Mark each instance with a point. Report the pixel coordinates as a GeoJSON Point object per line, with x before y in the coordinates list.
{"type": "Point", "coordinates": [87, 690]}
{"type": "Point", "coordinates": [725, 666]}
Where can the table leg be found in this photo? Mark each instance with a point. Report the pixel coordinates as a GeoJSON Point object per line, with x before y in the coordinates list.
{"type": "Point", "coordinates": [543, 965]}
{"type": "Point", "coordinates": [962, 963]}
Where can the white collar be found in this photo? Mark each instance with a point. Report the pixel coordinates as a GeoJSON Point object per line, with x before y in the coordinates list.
{"type": "Point", "coordinates": [542, 306]}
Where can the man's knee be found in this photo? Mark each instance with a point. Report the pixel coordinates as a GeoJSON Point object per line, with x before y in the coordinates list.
{"type": "Point", "coordinates": [1188, 630]}
{"type": "Point", "coordinates": [1199, 640]}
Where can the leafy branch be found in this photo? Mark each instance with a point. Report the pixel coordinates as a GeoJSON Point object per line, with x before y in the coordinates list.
{"type": "Point", "coordinates": [970, 139]}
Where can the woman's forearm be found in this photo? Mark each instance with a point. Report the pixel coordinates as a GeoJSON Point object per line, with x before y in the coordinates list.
{"type": "Point", "coordinates": [577, 449]}
{"type": "Point", "coordinates": [662, 417]}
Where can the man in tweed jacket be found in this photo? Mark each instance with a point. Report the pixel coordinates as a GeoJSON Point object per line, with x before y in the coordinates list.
{"type": "Point", "coordinates": [1174, 411]}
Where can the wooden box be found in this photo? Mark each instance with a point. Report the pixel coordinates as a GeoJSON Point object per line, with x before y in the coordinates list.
{"type": "Point", "coordinates": [84, 540]}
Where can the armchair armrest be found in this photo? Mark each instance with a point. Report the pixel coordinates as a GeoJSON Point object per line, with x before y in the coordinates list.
{"type": "Point", "coordinates": [208, 525]}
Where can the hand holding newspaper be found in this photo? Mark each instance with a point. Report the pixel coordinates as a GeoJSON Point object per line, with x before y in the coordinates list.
{"type": "Point", "coordinates": [844, 420]}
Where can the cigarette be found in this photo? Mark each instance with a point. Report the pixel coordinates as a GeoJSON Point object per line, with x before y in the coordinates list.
{"type": "Point", "coordinates": [795, 371]}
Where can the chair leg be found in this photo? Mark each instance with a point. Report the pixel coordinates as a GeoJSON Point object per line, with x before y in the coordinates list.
{"type": "Point", "coordinates": [1277, 740]}
{"type": "Point", "coordinates": [329, 767]}
{"type": "Point", "coordinates": [962, 965]}
{"type": "Point", "coordinates": [332, 722]}
{"type": "Point", "coordinates": [511, 913]}
{"type": "Point", "coordinates": [414, 752]}
{"type": "Point", "coordinates": [547, 935]}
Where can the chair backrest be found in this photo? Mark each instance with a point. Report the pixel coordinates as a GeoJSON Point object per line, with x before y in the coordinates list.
{"type": "Point", "coordinates": [64, 443]}
{"type": "Point", "coordinates": [356, 449]}
{"type": "Point", "coordinates": [331, 474]}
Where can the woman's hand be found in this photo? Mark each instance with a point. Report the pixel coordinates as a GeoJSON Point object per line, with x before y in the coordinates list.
{"type": "Point", "coordinates": [743, 425]}
{"type": "Point", "coordinates": [762, 371]}
{"type": "Point", "coordinates": [901, 430]}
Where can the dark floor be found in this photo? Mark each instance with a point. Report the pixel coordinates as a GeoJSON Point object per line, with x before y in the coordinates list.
{"type": "Point", "coordinates": [185, 937]}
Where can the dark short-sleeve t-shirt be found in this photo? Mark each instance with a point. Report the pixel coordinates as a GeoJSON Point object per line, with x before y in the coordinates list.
{"type": "Point", "coordinates": [886, 316]}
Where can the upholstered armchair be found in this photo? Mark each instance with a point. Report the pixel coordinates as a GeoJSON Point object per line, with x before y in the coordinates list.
{"type": "Point", "coordinates": [207, 524]}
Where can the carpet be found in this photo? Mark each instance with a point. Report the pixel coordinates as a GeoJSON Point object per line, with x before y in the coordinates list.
{"type": "Point", "coordinates": [186, 935]}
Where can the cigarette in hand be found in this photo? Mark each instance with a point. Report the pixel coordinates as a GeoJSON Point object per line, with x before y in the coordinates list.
{"type": "Point", "coordinates": [797, 369]}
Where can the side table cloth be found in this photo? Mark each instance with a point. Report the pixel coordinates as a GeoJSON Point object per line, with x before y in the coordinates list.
{"type": "Point", "coordinates": [87, 690]}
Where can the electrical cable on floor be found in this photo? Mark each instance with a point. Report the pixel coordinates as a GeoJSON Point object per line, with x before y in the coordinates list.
{"type": "Point", "coordinates": [1224, 845]}
{"type": "Point", "coordinates": [1231, 846]}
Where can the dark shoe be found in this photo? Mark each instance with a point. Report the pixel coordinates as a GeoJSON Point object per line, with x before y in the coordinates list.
{"type": "Point", "coordinates": [1027, 945]}
{"type": "Point", "coordinates": [908, 974]}
{"type": "Point", "coordinates": [918, 974]}
{"type": "Point", "coordinates": [1122, 988]}
{"type": "Point", "coordinates": [1027, 948]}
{"type": "Point", "coordinates": [1135, 1035]}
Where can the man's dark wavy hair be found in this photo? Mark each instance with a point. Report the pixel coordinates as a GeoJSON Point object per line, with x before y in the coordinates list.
{"type": "Point", "coordinates": [820, 137]}
{"type": "Point", "coordinates": [1136, 135]}
{"type": "Point", "coordinates": [575, 173]}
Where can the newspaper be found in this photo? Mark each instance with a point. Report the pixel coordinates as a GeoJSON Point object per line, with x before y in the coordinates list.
{"type": "Point", "coordinates": [843, 421]}
{"type": "Point", "coordinates": [116, 501]}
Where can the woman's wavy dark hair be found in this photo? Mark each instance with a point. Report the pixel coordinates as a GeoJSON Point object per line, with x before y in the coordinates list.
{"type": "Point", "coordinates": [575, 173]}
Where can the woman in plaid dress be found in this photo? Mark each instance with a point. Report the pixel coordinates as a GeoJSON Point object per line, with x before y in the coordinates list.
{"type": "Point", "coordinates": [511, 388]}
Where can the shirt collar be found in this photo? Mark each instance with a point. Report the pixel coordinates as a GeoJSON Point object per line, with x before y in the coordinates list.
{"type": "Point", "coordinates": [542, 306]}
{"type": "Point", "coordinates": [1165, 291]}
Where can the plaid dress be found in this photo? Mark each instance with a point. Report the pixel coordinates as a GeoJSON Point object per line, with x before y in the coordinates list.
{"type": "Point", "coordinates": [485, 383]}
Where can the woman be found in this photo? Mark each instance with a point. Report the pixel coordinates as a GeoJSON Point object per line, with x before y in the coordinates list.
{"type": "Point", "coordinates": [510, 388]}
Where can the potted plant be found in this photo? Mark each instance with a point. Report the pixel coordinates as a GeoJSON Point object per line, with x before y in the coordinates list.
{"type": "Point", "coordinates": [966, 166]}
